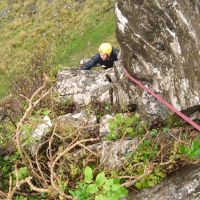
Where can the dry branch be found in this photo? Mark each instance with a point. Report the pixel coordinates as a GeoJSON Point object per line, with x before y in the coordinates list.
{"type": "Point", "coordinates": [147, 171]}
{"type": "Point", "coordinates": [58, 157]}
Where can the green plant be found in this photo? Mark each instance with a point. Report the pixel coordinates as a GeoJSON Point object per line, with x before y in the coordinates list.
{"type": "Point", "coordinates": [123, 124]}
{"type": "Point", "coordinates": [20, 198]}
{"type": "Point", "coordinates": [139, 160]}
{"type": "Point", "coordinates": [6, 133]}
{"type": "Point", "coordinates": [154, 132]}
{"type": "Point", "coordinates": [7, 166]}
{"type": "Point", "coordinates": [101, 188]}
{"type": "Point", "coordinates": [146, 151]}
{"type": "Point", "coordinates": [148, 181]}
{"type": "Point", "coordinates": [20, 174]}
{"type": "Point", "coordinates": [192, 151]}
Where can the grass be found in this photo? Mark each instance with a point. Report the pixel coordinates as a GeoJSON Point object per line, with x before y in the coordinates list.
{"type": "Point", "coordinates": [4, 85]}
{"type": "Point", "coordinates": [85, 43]}
{"type": "Point", "coordinates": [70, 30]}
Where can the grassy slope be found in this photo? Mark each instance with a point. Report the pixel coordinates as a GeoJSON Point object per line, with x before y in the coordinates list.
{"type": "Point", "coordinates": [68, 30]}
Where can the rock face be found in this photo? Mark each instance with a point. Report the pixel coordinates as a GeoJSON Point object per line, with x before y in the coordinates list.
{"type": "Point", "coordinates": [184, 185]}
{"type": "Point", "coordinates": [107, 86]}
{"type": "Point", "coordinates": [83, 86]}
{"type": "Point", "coordinates": [160, 42]}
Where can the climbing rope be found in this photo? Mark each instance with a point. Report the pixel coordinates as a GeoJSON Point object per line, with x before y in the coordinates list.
{"type": "Point", "coordinates": [159, 98]}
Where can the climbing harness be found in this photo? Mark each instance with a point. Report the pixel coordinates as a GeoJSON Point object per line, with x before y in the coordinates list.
{"type": "Point", "coordinates": [184, 117]}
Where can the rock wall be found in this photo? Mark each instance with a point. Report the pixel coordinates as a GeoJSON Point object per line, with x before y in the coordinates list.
{"type": "Point", "coordinates": [160, 42]}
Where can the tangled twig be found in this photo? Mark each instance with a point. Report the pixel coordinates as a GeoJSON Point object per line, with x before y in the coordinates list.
{"type": "Point", "coordinates": [147, 171]}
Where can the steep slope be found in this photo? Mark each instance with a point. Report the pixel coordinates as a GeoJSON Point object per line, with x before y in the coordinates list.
{"type": "Point", "coordinates": [50, 34]}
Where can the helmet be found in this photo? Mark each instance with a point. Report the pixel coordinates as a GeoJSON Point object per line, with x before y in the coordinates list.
{"type": "Point", "coordinates": [105, 48]}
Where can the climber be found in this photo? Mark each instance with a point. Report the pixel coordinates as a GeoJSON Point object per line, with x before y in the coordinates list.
{"type": "Point", "coordinates": [105, 58]}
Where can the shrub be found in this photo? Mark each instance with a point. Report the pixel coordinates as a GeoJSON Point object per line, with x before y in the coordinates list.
{"type": "Point", "coordinates": [124, 124]}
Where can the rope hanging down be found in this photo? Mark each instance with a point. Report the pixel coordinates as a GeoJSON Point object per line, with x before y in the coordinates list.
{"type": "Point", "coordinates": [184, 117]}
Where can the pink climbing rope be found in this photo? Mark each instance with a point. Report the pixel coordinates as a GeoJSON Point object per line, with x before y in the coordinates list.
{"type": "Point", "coordinates": [184, 117]}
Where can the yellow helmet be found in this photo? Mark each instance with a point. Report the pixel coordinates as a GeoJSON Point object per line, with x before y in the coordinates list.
{"type": "Point", "coordinates": [105, 48]}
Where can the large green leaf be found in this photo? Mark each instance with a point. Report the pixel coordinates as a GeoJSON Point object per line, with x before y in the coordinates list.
{"type": "Point", "coordinates": [100, 197]}
{"type": "Point", "coordinates": [92, 188]}
{"type": "Point", "coordinates": [88, 174]}
{"type": "Point", "coordinates": [100, 179]}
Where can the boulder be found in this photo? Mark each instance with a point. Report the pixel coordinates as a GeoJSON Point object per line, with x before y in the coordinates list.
{"type": "Point", "coordinates": [160, 42]}
{"type": "Point", "coordinates": [78, 118]}
{"type": "Point", "coordinates": [85, 86]}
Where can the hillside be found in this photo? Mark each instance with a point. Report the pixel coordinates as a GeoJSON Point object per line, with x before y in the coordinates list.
{"type": "Point", "coordinates": [49, 35]}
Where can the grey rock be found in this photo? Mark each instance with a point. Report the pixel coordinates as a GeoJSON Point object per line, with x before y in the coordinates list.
{"type": "Point", "coordinates": [110, 86]}
{"type": "Point", "coordinates": [104, 125]}
{"type": "Point", "coordinates": [83, 86]}
{"type": "Point", "coordinates": [182, 185]}
{"type": "Point", "coordinates": [77, 119]}
{"type": "Point", "coordinates": [160, 42]}
{"type": "Point", "coordinates": [87, 86]}
{"type": "Point", "coordinates": [42, 128]}
{"type": "Point", "coordinates": [113, 154]}
{"type": "Point", "coordinates": [37, 134]}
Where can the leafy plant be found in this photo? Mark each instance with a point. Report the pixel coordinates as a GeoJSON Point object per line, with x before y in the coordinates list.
{"type": "Point", "coordinates": [101, 188]}
{"type": "Point", "coordinates": [22, 173]}
{"type": "Point", "coordinates": [123, 124]}
{"type": "Point", "coordinates": [145, 152]}
{"type": "Point", "coordinates": [142, 157]}
{"type": "Point", "coordinates": [192, 151]}
{"type": "Point", "coordinates": [154, 178]}
{"type": "Point", "coordinates": [154, 132]}
{"type": "Point", "coordinates": [7, 166]}
{"type": "Point", "coordinates": [6, 133]}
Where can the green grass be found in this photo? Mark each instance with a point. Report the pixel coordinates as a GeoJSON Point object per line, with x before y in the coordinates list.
{"type": "Point", "coordinates": [86, 43]}
{"type": "Point", "coordinates": [4, 85]}
{"type": "Point", "coordinates": [70, 30]}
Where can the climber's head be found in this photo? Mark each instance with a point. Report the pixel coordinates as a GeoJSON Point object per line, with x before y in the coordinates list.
{"type": "Point", "coordinates": [105, 50]}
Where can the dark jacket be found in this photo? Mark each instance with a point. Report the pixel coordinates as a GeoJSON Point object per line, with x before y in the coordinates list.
{"type": "Point", "coordinates": [97, 60]}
